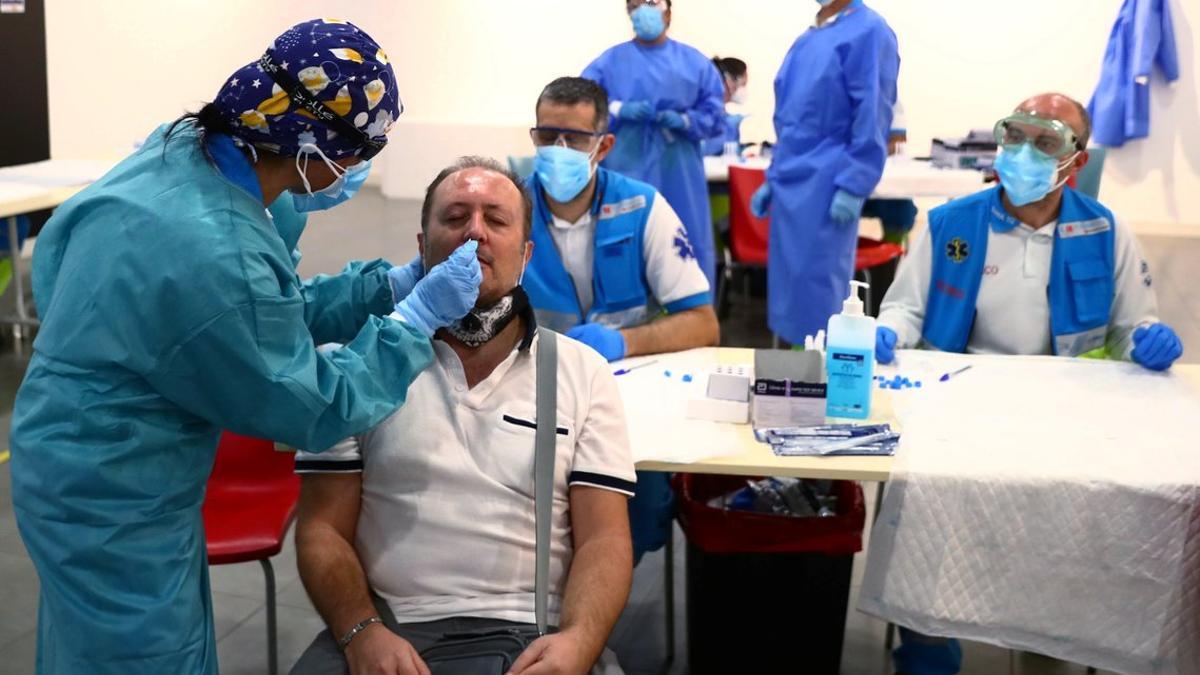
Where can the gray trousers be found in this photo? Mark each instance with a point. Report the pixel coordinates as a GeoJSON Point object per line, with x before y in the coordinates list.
{"type": "Point", "coordinates": [324, 658]}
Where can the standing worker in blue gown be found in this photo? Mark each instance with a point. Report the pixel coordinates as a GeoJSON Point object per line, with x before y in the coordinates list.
{"type": "Point", "coordinates": [1142, 36]}
{"type": "Point", "coordinates": [171, 310]}
{"type": "Point", "coordinates": [833, 107]}
{"type": "Point", "coordinates": [665, 99]}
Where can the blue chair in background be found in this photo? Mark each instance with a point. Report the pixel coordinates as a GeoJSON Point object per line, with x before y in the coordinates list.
{"type": "Point", "coordinates": [1087, 181]}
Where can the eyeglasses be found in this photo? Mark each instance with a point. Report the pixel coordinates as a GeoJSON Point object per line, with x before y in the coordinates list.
{"type": "Point", "coordinates": [369, 147]}
{"type": "Point", "coordinates": [631, 5]}
{"type": "Point", "coordinates": [1051, 137]}
{"type": "Point", "coordinates": [574, 139]}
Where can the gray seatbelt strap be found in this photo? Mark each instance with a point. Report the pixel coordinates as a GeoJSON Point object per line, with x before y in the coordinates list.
{"type": "Point", "coordinates": [543, 468]}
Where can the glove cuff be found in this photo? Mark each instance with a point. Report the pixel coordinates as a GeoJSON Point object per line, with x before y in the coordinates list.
{"type": "Point", "coordinates": [405, 313]}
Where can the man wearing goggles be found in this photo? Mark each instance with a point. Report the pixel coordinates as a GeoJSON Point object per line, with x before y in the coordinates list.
{"type": "Point", "coordinates": [1031, 266]}
{"type": "Point", "coordinates": [666, 98]}
{"type": "Point", "coordinates": [612, 264]}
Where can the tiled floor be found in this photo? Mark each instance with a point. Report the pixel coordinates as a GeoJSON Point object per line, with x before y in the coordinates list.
{"type": "Point", "coordinates": [370, 226]}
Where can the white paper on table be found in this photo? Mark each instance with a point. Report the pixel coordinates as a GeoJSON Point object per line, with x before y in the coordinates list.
{"type": "Point", "coordinates": [656, 405]}
{"type": "Point", "coordinates": [1047, 504]}
{"type": "Point", "coordinates": [56, 172]}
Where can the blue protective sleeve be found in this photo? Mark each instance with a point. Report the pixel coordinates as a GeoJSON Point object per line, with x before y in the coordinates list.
{"type": "Point", "coordinates": [706, 117]}
{"type": "Point", "coordinates": [871, 69]}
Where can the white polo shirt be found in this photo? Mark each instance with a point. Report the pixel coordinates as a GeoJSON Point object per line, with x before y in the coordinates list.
{"type": "Point", "coordinates": [1013, 308]}
{"type": "Point", "coordinates": [446, 526]}
{"type": "Point", "coordinates": [672, 277]}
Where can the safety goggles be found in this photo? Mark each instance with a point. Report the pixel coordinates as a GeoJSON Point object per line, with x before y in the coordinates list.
{"type": "Point", "coordinates": [368, 147]}
{"type": "Point", "coordinates": [1051, 137]}
{"type": "Point", "coordinates": [575, 139]}
{"type": "Point", "coordinates": [631, 5]}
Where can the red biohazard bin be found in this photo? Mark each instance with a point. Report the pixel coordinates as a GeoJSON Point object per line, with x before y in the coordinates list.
{"type": "Point", "coordinates": [762, 589]}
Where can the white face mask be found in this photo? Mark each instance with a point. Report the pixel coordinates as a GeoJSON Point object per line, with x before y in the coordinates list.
{"type": "Point", "coordinates": [738, 96]}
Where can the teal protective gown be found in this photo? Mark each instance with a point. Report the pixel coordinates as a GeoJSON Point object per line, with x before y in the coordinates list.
{"type": "Point", "coordinates": [171, 310]}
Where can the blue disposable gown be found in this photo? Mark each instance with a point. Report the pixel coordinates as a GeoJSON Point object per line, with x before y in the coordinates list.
{"type": "Point", "coordinates": [833, 108]}
{"type": "Point", "coordinates": [1141, 37]}
{"type": "Point", "coordinates": [171, 310]}
{"type": "Point", "coordinates": [671, 76]}
{"type": "Point", "coordinates": [730, 133]}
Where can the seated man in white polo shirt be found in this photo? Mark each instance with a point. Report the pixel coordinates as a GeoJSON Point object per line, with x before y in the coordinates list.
{"type": "Point", "coordinates": [612, 265]}
{"type": "Point", "coordinates": [433, 510]}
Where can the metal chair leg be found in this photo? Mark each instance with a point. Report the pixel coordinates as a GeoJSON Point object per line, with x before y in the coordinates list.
{"type": "Point", "coordinates": [272, 650]}
{"type": "Point", "coordinates": [669, 597]}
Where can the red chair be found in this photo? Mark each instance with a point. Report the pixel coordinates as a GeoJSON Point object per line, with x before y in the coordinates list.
{"type": "Point", "coordinates": [249, 506]}
{"type": "Point", "coordinates": [748, 236]}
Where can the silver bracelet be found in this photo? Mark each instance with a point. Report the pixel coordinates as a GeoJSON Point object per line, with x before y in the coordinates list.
{"type": "Point", "coordinates": [358, 628]}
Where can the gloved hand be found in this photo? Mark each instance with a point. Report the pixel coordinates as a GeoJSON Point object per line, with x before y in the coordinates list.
{"type": "Point", "coordinates": [760, 201]}
{"type": "Point", "coordinates": [403, 279]}
{"type": "Point", "coordinates": [845, 208]}
{"type": "Point", "coordinates": [885, 344]}
{"type": "Point", "coordinates": [635, 111]}
{"type": "Point", "coordinates": [672, 120]}
{"type": "Point", "coordinates": [608, 341]}
{"type": "Point", "coordinates": [446, 294]}
{"type": "Point", "coordinates": [1156, 346]}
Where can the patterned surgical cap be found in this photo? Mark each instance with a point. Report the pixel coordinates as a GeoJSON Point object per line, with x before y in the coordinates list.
{"type": "Point", "coordinates": [338, 64]}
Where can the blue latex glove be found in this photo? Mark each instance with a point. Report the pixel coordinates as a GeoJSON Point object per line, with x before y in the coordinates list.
{"type": "Point", "coordinates": [403, 279]}
{"type": "Point", "coordinates": [845, 208]}
{"type": "Point", "coordinates": [446, 294]}
{"type": "Point", "coordinates": [760, 201]}
{"type": "Point", "coordinates": [608, 341]}
{"type": "Point", "coordinates": [1156, 346]}
{"type": "Point", "coordinates": [885, 344]}
{"type": "Point", "coordinates": [672, 120]}
{"type": "Point", "coordinates": [635, 111]}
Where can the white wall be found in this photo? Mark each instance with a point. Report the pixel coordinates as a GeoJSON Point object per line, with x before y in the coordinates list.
{"type": "Point", "coordinates": [470, 70]}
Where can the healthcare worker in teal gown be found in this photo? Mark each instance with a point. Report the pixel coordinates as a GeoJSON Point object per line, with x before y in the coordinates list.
{"type": "Point", "coordinates": [171, 310]}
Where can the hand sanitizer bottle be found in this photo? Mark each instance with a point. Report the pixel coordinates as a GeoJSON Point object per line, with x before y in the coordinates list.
{"type": "Point", "coordinates": [850, 359]}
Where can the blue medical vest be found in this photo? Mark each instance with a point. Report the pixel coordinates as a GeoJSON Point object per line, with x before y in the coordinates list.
{"type": "Point", "coordinates": [620, 292]}
{"type": "Point", "coordinates": [1081, 270]}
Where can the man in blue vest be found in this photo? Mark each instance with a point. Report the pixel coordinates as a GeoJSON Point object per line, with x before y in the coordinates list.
{"type": "Point", "coordinates": [1029, 267]}
{"type": "Point", "coordinates": [612, 264]}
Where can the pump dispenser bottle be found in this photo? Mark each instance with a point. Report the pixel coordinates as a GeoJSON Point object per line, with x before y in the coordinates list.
{"type": "Point", "coordinates": [850, 359]}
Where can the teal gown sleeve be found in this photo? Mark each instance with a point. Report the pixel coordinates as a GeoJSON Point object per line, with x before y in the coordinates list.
{"type": "Point", "coordinates": [336, 306]}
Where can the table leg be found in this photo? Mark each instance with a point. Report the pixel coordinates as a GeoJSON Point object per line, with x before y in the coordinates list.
{"type": "Point", "coordinates": [669, 597]}
{"type": "Point", "coordinates": [889, 636]}
{"type": "Point", "coordinates": [14, 250]}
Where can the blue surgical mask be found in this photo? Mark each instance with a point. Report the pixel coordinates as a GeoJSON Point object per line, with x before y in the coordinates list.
{"type": "Point", "coordinates": [345, 186]}
{"type": "Point", "coordinates": [1027, 174]}
{"type": "Point", "coordinates": [648, 22]}
{"type": "Point", "coordinates": [562, 171]}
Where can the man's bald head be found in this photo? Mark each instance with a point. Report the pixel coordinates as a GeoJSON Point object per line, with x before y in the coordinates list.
{"type": "Point", "coordinates": [1063, 108]}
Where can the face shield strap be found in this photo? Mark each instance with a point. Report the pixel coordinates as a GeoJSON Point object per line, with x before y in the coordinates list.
{"type": "Point", "coordinates": [369, 147]}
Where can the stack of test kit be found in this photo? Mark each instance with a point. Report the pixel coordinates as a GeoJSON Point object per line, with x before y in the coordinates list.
{"type": "Point", "coordinates": [831, 440]}
{"type": "Point", "coordinates": [789, 388]}
{"type": "Point", "coordinates": [727, 397]}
